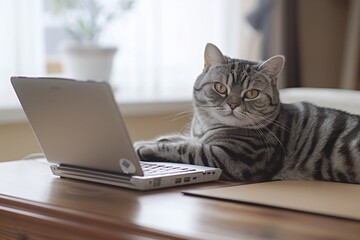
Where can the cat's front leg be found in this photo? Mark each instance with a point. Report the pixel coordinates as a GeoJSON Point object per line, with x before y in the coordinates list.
{"type": "Point", "coordinates": [163, 149]}
{"type": "Point", "coordinates": [158, 151]}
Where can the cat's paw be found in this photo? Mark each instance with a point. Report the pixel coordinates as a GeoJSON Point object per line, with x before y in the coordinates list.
{"type": "Point", "coordinates": [157, 151]}
{"type": "Point", "coordinates": [147, 150]}
{"type": "Point", "coordinates": [140, 144]}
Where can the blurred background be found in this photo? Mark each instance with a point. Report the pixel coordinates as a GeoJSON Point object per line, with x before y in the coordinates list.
{"type": "Point", "coordinates": [152, 51]}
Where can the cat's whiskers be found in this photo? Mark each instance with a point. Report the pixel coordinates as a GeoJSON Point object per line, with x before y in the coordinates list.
{"type": "Point", "coordinates": [275, 122]}
{"type": "Point", "coordinates": [267, 143]}
{"type": "Point", "coordinates": [260, 133]}
{"type": "Point", "coordinates": [207, 107]}
{"type": "Point", "coordinates": [187, 127]}
{"type": "Point", "coordinates": [262, 136]}
{"type": "Point", "coordinates": [177, 116]}
{"type": "Point", "coordinates": [188, 115]}
{"type": "Point", "coordinates": [275, 137]}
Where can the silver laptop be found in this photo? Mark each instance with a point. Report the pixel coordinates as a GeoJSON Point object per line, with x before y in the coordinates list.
{"type": "Point", "coordinates": [81, 132]}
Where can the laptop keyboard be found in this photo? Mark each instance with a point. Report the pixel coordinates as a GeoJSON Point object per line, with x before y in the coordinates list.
{"type": "Point", "coordinates": [151, 169]}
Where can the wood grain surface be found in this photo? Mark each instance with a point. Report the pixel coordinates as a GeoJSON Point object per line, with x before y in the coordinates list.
{"type": "Point", "coordinates": [34, 204]}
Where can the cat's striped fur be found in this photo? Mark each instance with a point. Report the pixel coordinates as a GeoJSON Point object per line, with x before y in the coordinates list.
{"type": "Point", "coordinates": [258, 138]}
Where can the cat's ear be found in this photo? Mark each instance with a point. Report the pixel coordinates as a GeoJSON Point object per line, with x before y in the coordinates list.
{"type": "Point", "coordinates": [273, 67]}
{"type": "Point", "coordinates": [213, 56]}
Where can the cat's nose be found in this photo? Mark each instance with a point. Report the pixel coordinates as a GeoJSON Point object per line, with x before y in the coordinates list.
{"type": "Point", "coordinates": [233, 105]}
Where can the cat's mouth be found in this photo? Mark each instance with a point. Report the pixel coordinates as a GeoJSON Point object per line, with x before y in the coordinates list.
{"type": "Point", "coordinates": [231, 114]}
{"type": "Point", "coordinates": [234, 115]}
{"type": "Point", "coordinates": [237, 114]}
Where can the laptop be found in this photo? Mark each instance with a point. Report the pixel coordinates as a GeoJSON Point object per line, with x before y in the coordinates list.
{"type": "Point", "coordinates": [81, 131]}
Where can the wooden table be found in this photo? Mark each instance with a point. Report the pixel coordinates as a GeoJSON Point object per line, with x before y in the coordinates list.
{"type": "Point", "coordinates": [34, 204]}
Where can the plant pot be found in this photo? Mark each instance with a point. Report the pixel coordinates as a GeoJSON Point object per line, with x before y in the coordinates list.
{"type": "Point", "coordinates": [87, 61]}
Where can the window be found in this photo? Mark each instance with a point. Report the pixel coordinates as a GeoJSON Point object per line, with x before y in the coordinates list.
{"type": "Point", "coordinates": [160, 44]}
{"type": "Point", "coordinates": [21, 44]}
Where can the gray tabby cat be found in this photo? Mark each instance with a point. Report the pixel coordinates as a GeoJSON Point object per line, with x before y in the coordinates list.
{"type": "Point", "coordinates": [240, 126]}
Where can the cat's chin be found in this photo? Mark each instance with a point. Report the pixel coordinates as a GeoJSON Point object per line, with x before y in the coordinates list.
{"type": "Point", "coordinates": [241, 121]}
{"type": "Point", "coordinates": [232, 120]}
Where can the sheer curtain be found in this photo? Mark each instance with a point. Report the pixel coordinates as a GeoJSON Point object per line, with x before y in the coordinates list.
{"type": "Point", "coordinates": [21, 44]}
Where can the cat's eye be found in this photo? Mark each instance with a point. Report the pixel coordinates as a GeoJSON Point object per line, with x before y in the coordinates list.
{"type": "Point", "coordinates": [251, 94]}
{"type": "Point", "coordinates": [220, 88]}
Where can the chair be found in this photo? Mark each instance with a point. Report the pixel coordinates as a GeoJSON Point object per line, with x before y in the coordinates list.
{"type": "Point", "coordinates": [346, 100]}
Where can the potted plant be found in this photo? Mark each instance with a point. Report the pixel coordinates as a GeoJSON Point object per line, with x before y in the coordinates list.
{"type": "Point", "coordinates": [85, 20]}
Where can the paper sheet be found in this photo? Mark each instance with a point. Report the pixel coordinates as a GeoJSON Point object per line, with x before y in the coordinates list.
{"type": "Point", "coordinates": [329, 198]}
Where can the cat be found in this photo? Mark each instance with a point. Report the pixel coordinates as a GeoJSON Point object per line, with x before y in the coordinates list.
{"type": "Point", "coordinates": [240, 126]}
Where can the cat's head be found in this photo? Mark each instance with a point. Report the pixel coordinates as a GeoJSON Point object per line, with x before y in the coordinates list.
{"type": "Point", "coordinates": [237, 92]}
